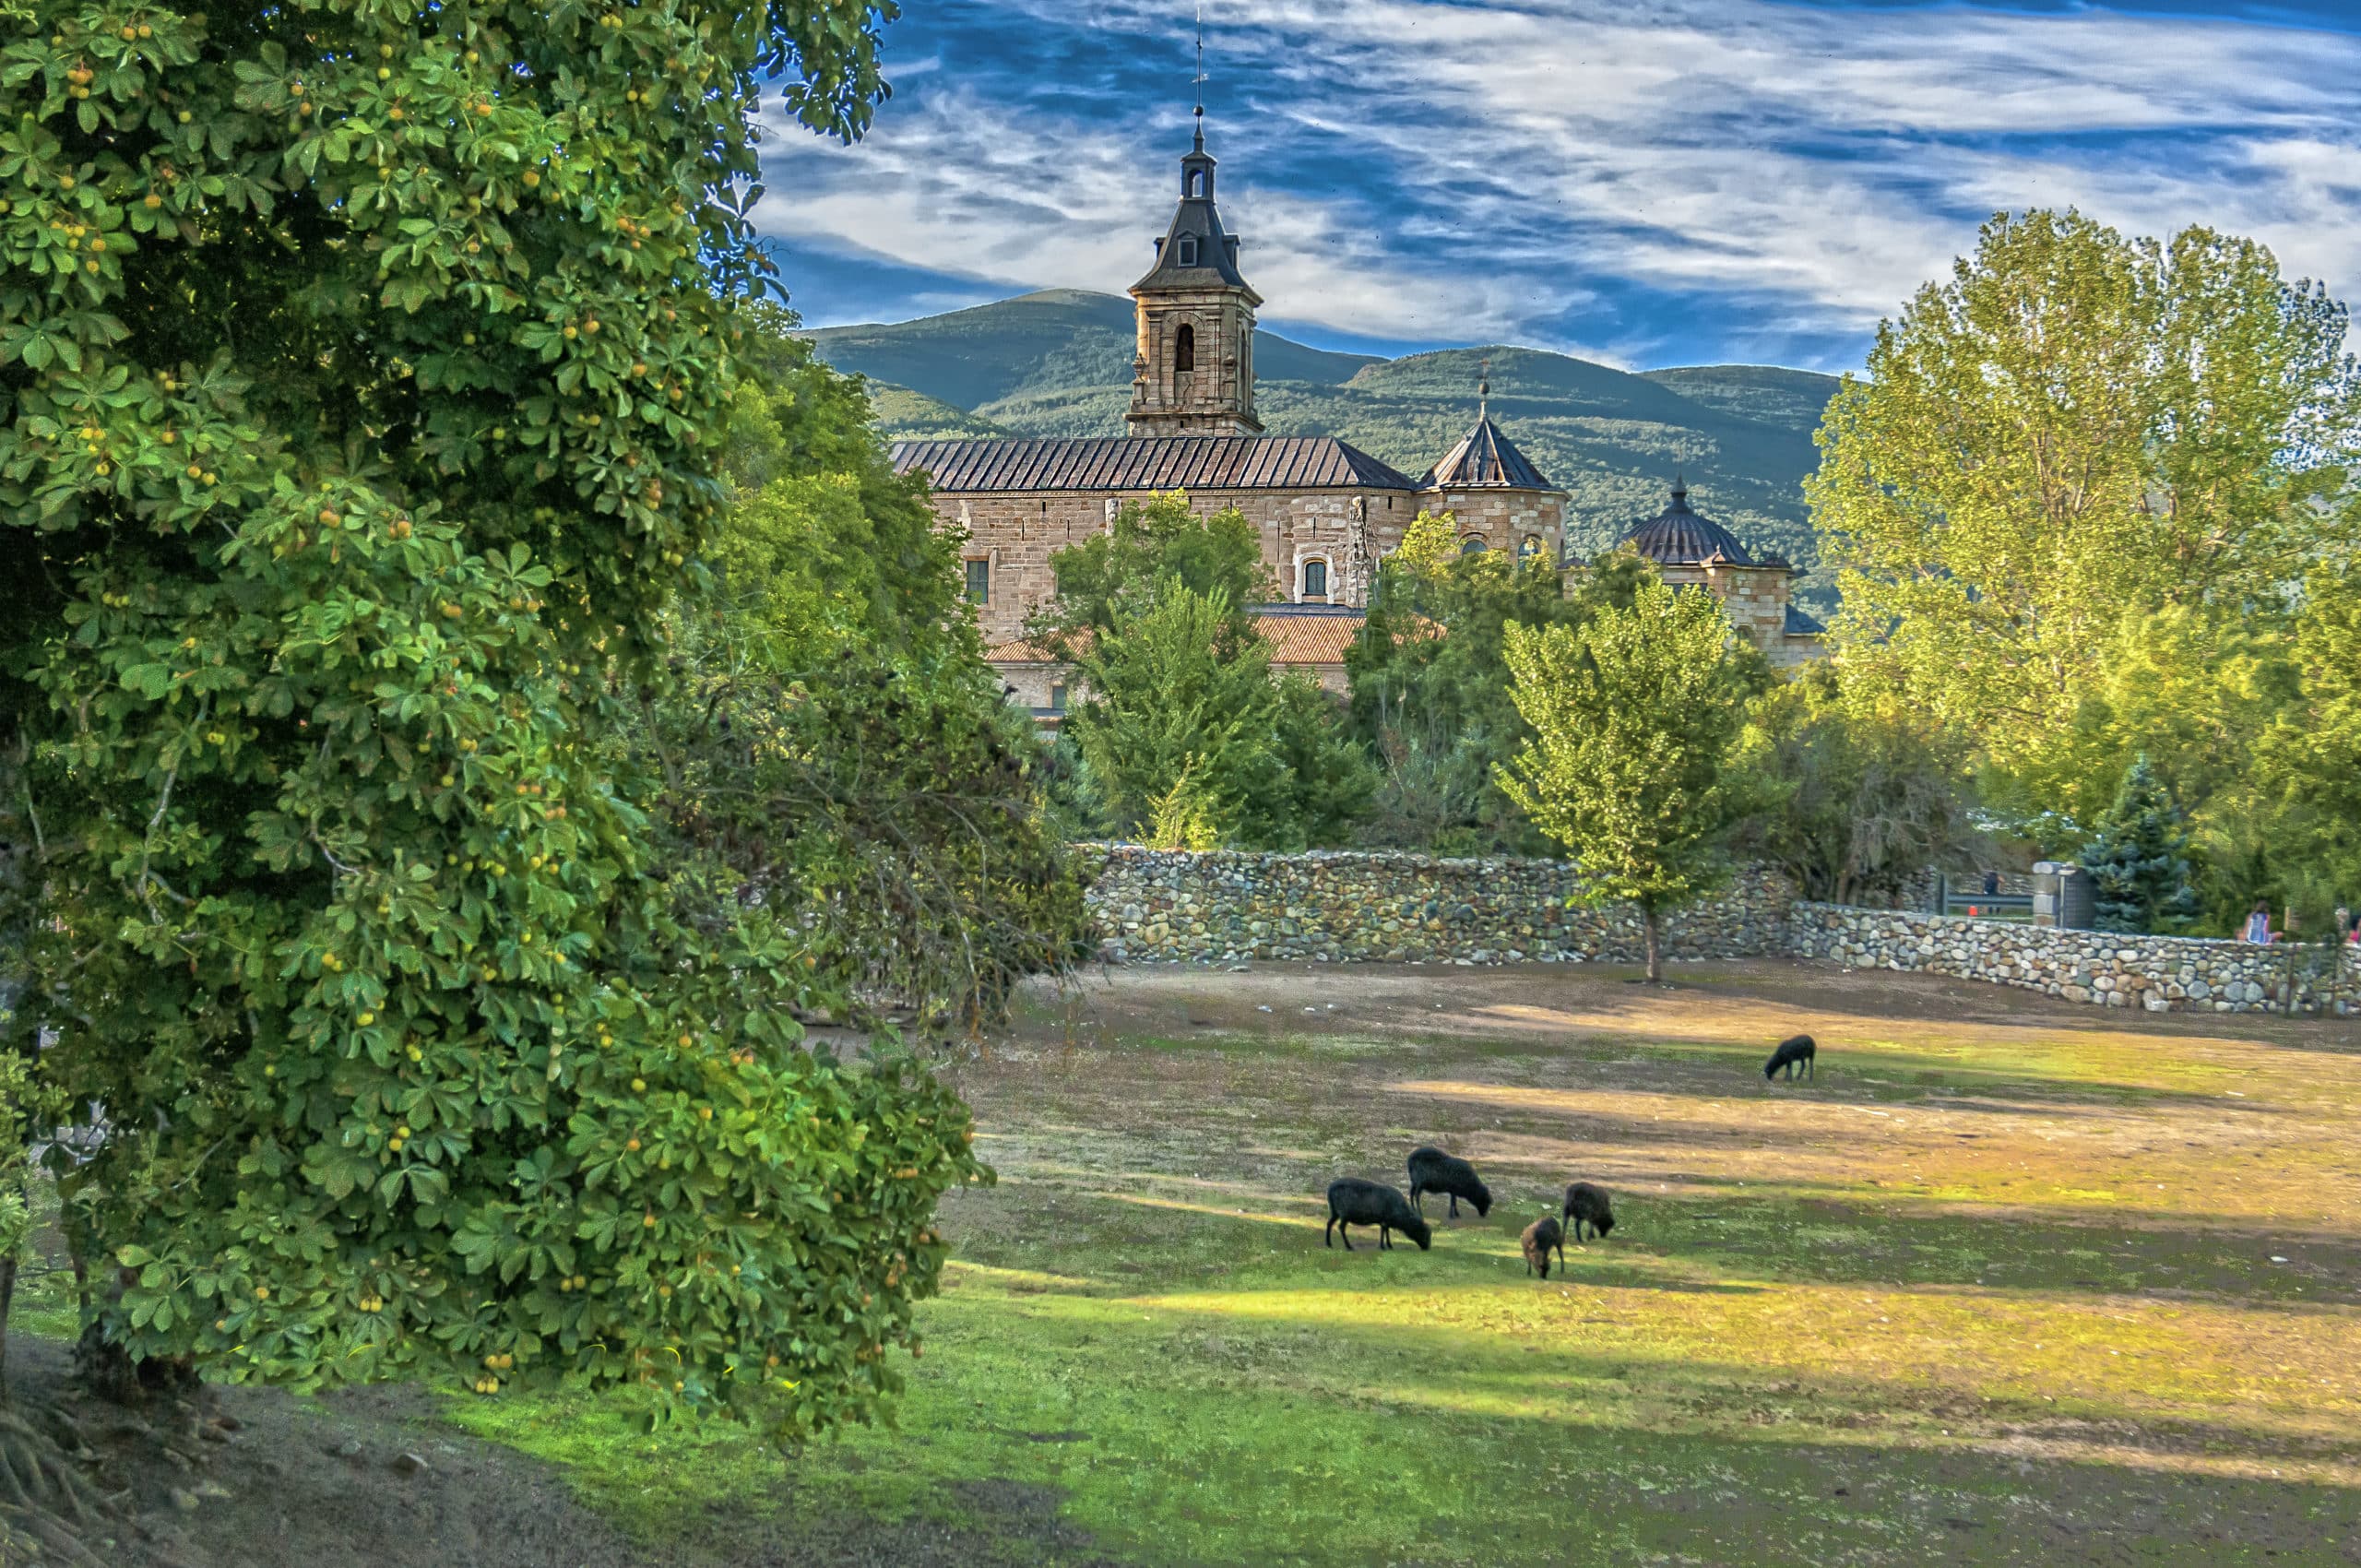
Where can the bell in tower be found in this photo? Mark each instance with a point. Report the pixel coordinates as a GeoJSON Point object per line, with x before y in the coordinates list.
{"type": "Point", "coordinates": [1193, 374]}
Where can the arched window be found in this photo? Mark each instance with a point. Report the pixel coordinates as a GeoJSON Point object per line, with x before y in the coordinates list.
{"type": "Point", "coordinates": [1188, 250]}
{"type": "Point", "coordinates": [1527, 548]}
{"type": "Point", "coordinates": [1196, 186]}
{"type": "Point", "coordinates": [1184, 347]}
{"type": "Point", "coordinates": [1315, 578]}
{"type": "Point", "coordinates": [1472, 544]}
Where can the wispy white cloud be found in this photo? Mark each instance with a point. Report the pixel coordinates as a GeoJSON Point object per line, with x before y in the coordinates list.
{"type": "Point", "coordinates": [1428, 170]}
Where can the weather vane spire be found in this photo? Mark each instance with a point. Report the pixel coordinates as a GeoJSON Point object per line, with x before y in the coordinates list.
{"type": "Point", "coordinates": [1198, 81]}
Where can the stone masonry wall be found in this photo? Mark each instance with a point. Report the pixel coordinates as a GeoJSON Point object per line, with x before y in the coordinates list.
{"type": "Point", "coordinates": [2157, 973]}
{"type": "Point", "coordinates": [1169, 905]}
{"type": "Point", "coordinates": [1151, 906]}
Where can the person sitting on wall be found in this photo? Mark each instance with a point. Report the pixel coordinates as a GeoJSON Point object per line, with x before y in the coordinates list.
{"type": "Point", "coordinates": [2258, 930]}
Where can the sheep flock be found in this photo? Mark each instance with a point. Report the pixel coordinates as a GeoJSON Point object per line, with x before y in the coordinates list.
{"type": "Point", "coordinates": [1586, 1211]}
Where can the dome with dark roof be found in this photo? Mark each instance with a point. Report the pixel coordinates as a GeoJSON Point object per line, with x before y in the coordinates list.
{"type": "Point", "coordinates": [1678, 537]}
{"type": "Point", "coordinates": [1484, 459]}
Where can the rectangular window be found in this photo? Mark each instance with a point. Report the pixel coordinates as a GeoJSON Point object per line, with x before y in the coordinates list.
{"type": "Point", "coordinates": [979, 581]}
{"type": "Point", "coordinates": [1057, 699]}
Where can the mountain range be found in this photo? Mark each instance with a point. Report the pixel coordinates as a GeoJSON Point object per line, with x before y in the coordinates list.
{"type": "Point", "coordinates": [1059, 363]}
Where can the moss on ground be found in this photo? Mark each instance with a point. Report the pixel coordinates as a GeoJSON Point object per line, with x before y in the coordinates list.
{"type": "Point", "coordinates": [2040, 1290]}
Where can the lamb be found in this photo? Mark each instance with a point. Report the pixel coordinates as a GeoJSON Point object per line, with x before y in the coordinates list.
{"type": "Point", "coordinates": [1586, 1205]}
{"type": "Point", "coordinates": [1432, 1170]}
{"type": "Point", "coordinates": [1538, 1237]}
{"type": "Point", "coordinates": [1352, 1201]}
{"type": "Point", "coordinates": [1793, 1053]}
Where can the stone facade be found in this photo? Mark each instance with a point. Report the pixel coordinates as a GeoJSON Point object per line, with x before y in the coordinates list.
{"type": "Point", "coordinates": [2157, 973]}
{"type": "Point", "coordinates": [1327, 513]}
{"type": "Point", "coordinates": [1015, 534]}
{"type": "Point", "coordinates": [1156, 905]}
{"type": "Point", "coordinates": [1755, 599]}
{"type": "Point", "coordinates": [1525, 522]}
{"type": "Point", "coordinates": [1209, 389]}
{"type": "Point", "coordinates": [1690, 549]}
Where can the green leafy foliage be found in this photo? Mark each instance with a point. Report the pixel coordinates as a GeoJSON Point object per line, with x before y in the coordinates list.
{"type": "Point", "coordinates": [363, 370]}
{"type": "Point", "coordinates": [1182, 720]}
{"type": "Point", "coordinates": [1154, 545]}
{"type": "Point", "coordinates": [1634, 714]}
{"type": "Point", "coordinates": [838, 751]}
{"type": "Point", "coordinates": [2138, 858]}
{"type": "Point", "coordinates": [1861, 798]}
{"type": "Point", "coordinates": [1430, 683]}
{"type": "Point", "coordinates": [2078, 428]}
{"type": "Point", "coordinates": [1183, 725]}
{"type": "Point", "coordinates": [2309, 765]}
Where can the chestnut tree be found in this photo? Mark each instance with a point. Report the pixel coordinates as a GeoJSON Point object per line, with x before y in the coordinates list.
{"type": "Point", "coordinates": [363, 371]}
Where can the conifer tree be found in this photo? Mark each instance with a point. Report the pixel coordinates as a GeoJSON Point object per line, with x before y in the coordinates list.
{"type": "Point", "coordinates": [2139, 860]}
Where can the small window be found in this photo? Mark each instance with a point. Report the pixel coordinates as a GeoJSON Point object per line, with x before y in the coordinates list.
{"type": "Point", "coordinates": [1473, 544]}
{"type": "Point", "coordinates": [979, 581]}
{"type": "Point", "coordinates": [1057, 697]}
{"type": "Point", "coordinates": [1315, 579]}
{"type": "Point", "coordinates": [1527, 548]}
{"type": "Point", "coordinates": [1188, 250]}
{"type": "Point", "coordinates": [1184, 346]}
{"type": "Point", "coordinates": [1196, 185]}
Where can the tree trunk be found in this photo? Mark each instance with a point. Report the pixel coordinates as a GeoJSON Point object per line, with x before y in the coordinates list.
{"type": "Point", "coordinates": [1655, 943]}
{"type": "Point", "coordinates": [7, 1296]}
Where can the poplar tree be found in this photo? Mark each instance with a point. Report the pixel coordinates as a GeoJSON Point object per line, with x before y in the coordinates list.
{"type": "Point", "coordinates": [2074, 429]}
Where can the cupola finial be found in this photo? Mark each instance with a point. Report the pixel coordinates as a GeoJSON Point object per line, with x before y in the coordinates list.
{"type": "Point", "coordinates": [1199, 80]}
{"type": "Point", "coordinates": [1484, 392]}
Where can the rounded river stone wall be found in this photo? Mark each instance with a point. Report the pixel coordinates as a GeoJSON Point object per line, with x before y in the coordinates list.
{"type": "Point", "coordinates": [1182, 905]}
{"type": "Point", "coordinates": [2157, 973]}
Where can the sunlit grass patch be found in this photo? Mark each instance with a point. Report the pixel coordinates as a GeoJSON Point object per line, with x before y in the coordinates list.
{"type": "Point", "coordinates": [1983, 1292]}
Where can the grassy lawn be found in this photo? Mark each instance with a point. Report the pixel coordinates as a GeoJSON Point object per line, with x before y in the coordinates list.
{"type": "Point", "coordinates": [2013, 1282]}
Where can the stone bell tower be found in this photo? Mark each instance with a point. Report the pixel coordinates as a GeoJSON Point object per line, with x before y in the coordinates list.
{"type": "Point", "coordinates": [1193, 374]}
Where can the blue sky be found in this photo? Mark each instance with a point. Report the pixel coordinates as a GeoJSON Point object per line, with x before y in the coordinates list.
{"type": "Point", "coordinates": [1645, 182]}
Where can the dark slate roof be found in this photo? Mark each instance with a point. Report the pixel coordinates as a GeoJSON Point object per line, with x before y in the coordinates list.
{"type": "Point", "coordinates": [1148, 463]}
{"type": "Point", "coordinates": [1484, 459]}
{"type": "Point", "coordinates": [1216, 248]}
{"type": "Point", "coordinates": [1802, 626]}
{"type": "Point", "coordinates": [1678, 537]}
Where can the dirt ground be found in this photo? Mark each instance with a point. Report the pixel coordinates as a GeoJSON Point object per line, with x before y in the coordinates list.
{"type": "Point", "coordinates": [242, 1478]}
{"type": "Point", "coordinates": [2010, 1281]}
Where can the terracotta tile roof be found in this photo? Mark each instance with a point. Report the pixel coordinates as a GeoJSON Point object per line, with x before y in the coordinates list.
{"type": "Point", "coordinates": [1299, 633]}
{"type": "Point", "coordinates": [1308, 634]}
{"type": "Point", "coordinates": [1023, 653]}
{"type": "Point", "coordinates": [1148, 463]}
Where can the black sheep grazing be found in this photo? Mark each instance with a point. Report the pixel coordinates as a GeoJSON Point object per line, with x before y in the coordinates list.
{"type": "Point", "coordinates": [1352, 1201]}
{"type": "Point", "coordinates": [1432, 1170]}
{"type": "Point", "coordinates": [1793, 1053]}
{"type": "Point", "coordinates": [1538, 1237]}
{"type": "Point", "coordinates": [1586, 1205]}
